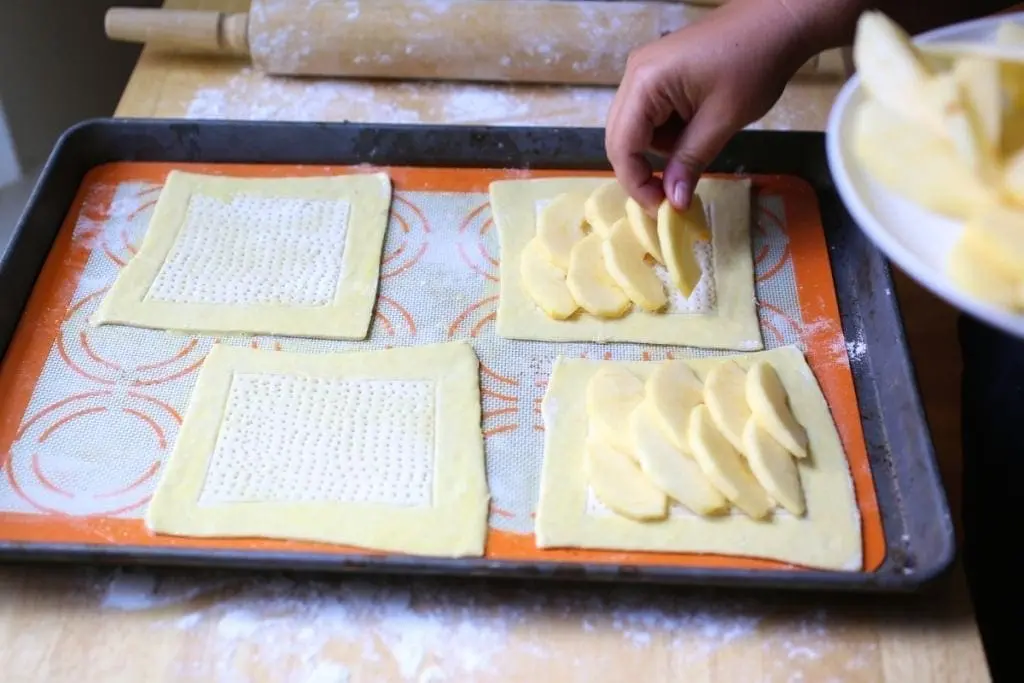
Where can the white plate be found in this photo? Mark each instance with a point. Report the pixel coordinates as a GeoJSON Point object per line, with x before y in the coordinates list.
{"type": "Point", "coordinates": [916, 240]}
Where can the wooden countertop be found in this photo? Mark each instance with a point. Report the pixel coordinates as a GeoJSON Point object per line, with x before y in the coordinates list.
{"type": "Point", "coordinates": [80, 624]}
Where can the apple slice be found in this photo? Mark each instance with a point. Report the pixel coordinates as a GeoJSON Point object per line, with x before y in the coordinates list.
{"type": "Point", "coordinates": [915, 163]}
{"type": "Point", "coordinates": [725, 394]}
{"type": "Point", "coordinates": [963, 125]}
{"type": "Point", "coordinates": [677, 233]}
{"type": "Point", "coordinates": [673, 390]}
{"type": "Point", "coordinates": [1010, 34]}
{"type": "Point", "coordinates": [769, 404]}
{"type": "Point", "coordinates": [725, 467]}
{"type": "Point", "coordinates": [645, 228]}
{"type": "Point", "coordinates": [605, 207]}
{"type": "Point", "coordinates": [1013, 175]}
{"type": "Point", "coordinates": [612, 394]}
{"type": "Point", "coordinates": [980, 85]}
{"type": "Point", "coordinates": [560, 227]}
{"type": "Point", "coordinates": [669, 468]}
{"type": "Point", "coordinates": [891, 70]}
{"type": "Point", "coordinates": [618, 483]}
{"type": "Point", "coordinates": [545, 283]}
{"type": "Point", "coordinates": [971, 268]}
{"type": "Point", "coordinates": [590, 283]}
{"type": "Point", "coordinates": [774, 468]}
{"type": "Point", "coordinates": [998, 234]}
{"type": "Point", "coordinates": [624, 258]}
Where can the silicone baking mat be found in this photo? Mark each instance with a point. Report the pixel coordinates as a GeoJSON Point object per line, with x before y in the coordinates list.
{"type": "Point", "coordinates": [89, 415]}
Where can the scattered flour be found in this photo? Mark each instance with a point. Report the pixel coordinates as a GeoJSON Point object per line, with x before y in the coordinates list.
{"type": "Point", "coordinates": [422, 631]}
{"type": "Point", "coordinates": [252, 96]}
{"type": "Point", "coordinates": [249, 95]}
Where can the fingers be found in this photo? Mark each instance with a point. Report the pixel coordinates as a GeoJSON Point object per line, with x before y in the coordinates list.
{"type": "Point", "coordinates": [628, 135]}
{"type": "Point", "coordinates": [700, 142]}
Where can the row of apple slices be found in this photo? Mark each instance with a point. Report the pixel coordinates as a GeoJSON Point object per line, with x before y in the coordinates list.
{"type": "Point", "coordinates": [728, 441]}
{"type": "Point", "coordinates": [604, 271]}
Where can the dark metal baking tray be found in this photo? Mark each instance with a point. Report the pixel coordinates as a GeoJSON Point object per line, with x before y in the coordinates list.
{"type": "Point", "coordinates": [920, 542]}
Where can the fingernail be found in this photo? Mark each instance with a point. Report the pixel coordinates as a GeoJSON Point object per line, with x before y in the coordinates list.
{"type": "Point", "coordinates": [679, 194]}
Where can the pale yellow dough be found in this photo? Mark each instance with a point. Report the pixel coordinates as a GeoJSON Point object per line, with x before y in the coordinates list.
{"type": "Point", "coordinates": [344, 313]}
{"type": "Point", "coordinates": [449, 520]}
{"type": "Point", "coordinates": [828, 536]}
{"type": "Point", "coordinates": [733, 324]}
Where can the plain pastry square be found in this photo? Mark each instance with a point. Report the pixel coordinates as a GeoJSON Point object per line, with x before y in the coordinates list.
{"type": "Point", "coordinates": [828, 537]}
{"type": "Point", "coordinates": [278, 256]}
{"type": "Point", "coordinates": [731, 323]}
{"type": "Point", "coordinates": [380, 449]}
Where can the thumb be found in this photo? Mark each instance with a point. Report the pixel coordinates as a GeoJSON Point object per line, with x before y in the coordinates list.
{"type": "Point", "coordinates": [700, 142]}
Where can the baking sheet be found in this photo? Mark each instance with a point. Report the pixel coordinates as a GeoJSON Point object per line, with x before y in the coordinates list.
{"type": "Point", "coordinates": [88, 415]}
{"type": "Point", "coordinates": [102, 413]}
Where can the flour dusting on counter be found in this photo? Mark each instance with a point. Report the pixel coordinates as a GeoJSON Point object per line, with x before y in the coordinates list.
{"type": "Point", "coordinates": [421, 630]}
{"type": "Point", "coordinates": [249, 95]}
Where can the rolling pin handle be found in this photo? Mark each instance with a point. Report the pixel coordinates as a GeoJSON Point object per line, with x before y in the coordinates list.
{"type": "Point", "coordinates": [192, 31]}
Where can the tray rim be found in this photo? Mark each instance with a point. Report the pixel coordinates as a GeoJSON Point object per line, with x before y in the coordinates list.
{"type": "Point", "coordinates": [493, 142]}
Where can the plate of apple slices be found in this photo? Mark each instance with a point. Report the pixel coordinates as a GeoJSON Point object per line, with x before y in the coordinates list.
{"type": "Point", "coordinates": [926, 146]}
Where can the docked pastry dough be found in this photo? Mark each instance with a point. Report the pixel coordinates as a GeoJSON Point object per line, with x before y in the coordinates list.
{"type": "Point", "coordinates": [287, 256]}
{"type": "Point", "coordinates": [827, 535]}
{"type": "Point", "coordinates": [721, 313]}
{"type": "Point", "coordinates": [380, 449]}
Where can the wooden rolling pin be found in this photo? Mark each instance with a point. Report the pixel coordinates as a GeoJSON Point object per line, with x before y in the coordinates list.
{"type": "Point", "coordinates": [523, 41]}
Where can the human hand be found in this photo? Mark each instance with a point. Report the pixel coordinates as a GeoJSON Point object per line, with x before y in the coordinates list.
{"type": "Point", "coordinates": [685, 95]}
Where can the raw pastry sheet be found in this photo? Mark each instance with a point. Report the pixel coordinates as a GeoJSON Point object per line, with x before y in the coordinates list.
{"type": "Point", "coordinates": [297, 257]}
{"type": "Point", "coordinates": [720, 313]}
{"type": "Point", "coordinates": [380, 449]}
{"type": "Point", "coordinates": [828, 536]}
{"type": "Point", "coordinates": [88, 416]}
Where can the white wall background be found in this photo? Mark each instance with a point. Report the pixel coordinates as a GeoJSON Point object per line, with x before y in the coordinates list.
{"type": "Point", "coordinates": [56, 68]}
{"type": "Point", "coordinates": [10, 168]}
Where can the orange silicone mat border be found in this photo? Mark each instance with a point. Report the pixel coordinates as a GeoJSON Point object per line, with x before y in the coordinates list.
{"type": "Point", "coordinates": [66, 261]}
